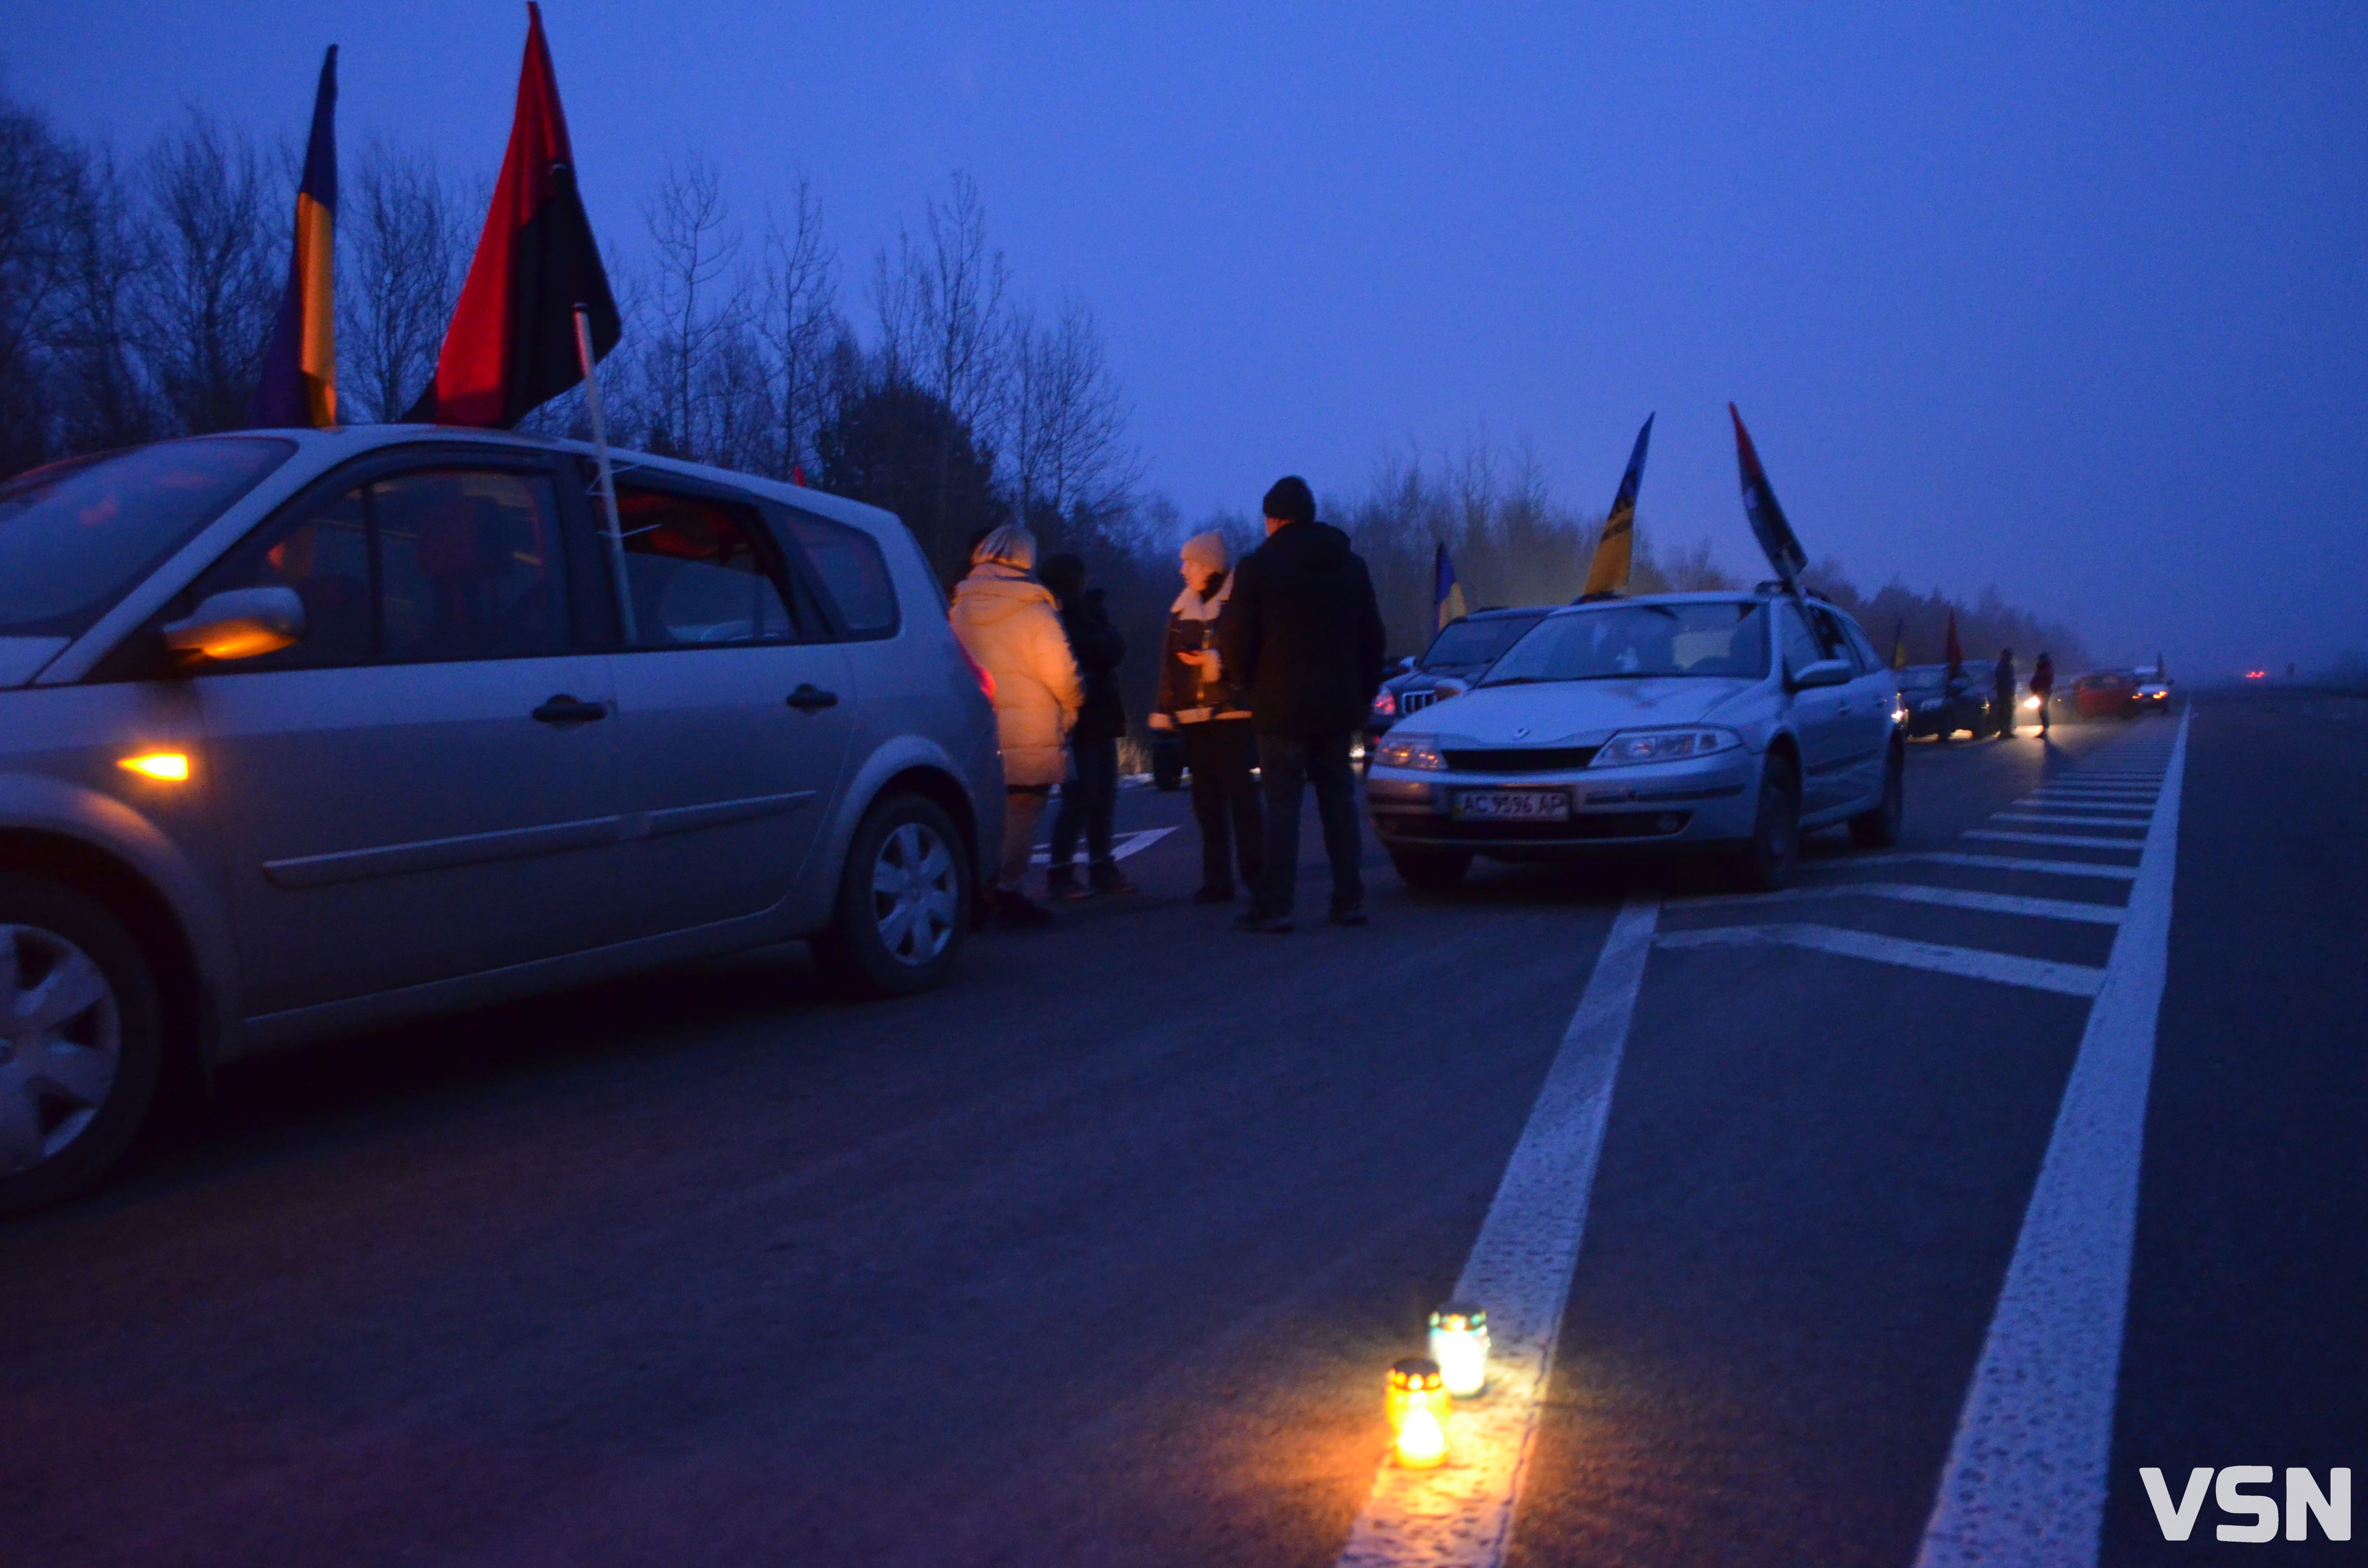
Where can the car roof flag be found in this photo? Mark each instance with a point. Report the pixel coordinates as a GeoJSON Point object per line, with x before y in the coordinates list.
{"type": "Point", "coordinates": [1899, 644]}
{"type": "Point", "coordinates": [511, 346]}
{"type": "Point", "coordinates": [1615, 547]}
{"type": "Point", "coordinates": [299, 386]}
{"type": "Point", "coordinates": [1447, 594]}
{"type": "Point", "coordinates": [1956, 649]}
{"type": "Point", "coordinates": [1768, 524]}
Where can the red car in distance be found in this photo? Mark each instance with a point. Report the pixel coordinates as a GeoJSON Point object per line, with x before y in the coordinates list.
{"type": "Point", "coordinates": [2108, 694]}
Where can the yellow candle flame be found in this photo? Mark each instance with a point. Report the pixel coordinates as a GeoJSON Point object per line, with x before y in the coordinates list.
{"type": "Point", "coordinates": [1422, 1441]}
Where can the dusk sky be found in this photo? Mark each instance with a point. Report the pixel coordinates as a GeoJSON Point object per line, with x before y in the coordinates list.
{"type": "Point", "coordinates": [2073, 301]}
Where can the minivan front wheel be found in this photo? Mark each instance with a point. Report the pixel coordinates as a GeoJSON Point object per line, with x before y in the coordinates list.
{"type": "Point", "coordinates": [903, 902]}
{"type": "Point", "coordinates": [81, 1041]}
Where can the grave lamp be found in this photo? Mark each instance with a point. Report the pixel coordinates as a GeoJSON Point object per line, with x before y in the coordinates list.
{"type": "Point", "coordinates": [1459, 1343]}
{"type": "Point", "coordinates": [1418, 1408]}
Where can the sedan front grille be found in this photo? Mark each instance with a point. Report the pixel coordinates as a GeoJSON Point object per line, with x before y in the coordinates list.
{"type": "Point", "coordinates": [1520, 759]}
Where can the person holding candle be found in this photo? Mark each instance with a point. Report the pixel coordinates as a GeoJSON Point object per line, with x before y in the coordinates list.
{"type": "Point", "coordinates": [1208, 711]}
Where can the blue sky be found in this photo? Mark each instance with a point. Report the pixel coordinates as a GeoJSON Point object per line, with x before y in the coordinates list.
{"type": "Point", "coordinates": [2068, 299]}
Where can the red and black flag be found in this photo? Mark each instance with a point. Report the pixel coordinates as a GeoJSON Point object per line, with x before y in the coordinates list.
{"type": "Point", "coordinates": [511, 347]}
{"type": "Point", "coordinates": [1956, 650]}
{"type": "Point", "coordinates": [1768, 524]}
{"type": "Point", "coordinates": [300, 370]}
{"type": "Point", "coordinates": [1616, 548]}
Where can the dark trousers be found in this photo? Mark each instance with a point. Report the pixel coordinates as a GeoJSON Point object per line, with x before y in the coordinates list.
{"type": "Point", "coordinates": [2043, 711]}
{"type": "Point", "coordinates": [2002, 704]}
{"type": "Point", "coordinates": [1287, 764]}
{"type": "Point", "coordinates": [1088, 800]}
{"type": "Point", "coordinates": [1220, 753]}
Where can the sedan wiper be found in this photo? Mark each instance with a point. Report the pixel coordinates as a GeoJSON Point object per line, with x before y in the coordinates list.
{"type": "Point", "coordinates": [1517, 680]}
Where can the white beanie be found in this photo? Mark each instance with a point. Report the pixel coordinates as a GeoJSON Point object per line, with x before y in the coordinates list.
{"type": "Point", "coordinates": [1206, 552]}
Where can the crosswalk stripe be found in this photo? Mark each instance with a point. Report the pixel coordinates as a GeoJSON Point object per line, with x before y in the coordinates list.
{"type": "Point", "coordinates": [2085, 801]}
{"type": "Point", "coordinates": [1461, 1514]}
{"type": "Point", "coordinates": [1972, 963]}
{"type": "Point", "coordinates": [1982, 862]}
{"type": "Point", "coordinates": [2062, 840]}
{"type": "Point", "coordinates": [2123, 819]}
{"type": "Point", "coordinates": [1919, 893]}
{"type": "Point", "coordinates": [2025, 1481]}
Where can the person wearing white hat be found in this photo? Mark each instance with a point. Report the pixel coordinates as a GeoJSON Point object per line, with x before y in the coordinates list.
{"type": "Point", "coordinates": [1207, 711]}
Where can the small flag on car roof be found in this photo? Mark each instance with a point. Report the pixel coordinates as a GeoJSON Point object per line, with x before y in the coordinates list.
{"type": "Point", "coordinates": [1615, 549]}
{"type": "Point", "coordinates": [300, 369]}
{"type": "Point", "coordinates": [1447, 594]}
{"type": "Point", "coordinates": [1768, 523]}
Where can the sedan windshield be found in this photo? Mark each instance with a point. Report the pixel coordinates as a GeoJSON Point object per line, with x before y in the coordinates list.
{"type": "Point", "coordinates": [1470, 643]}
{"type": "Point", "coordinates": [1622, 641]}
{"type": "Point", "coordinates": [75, 536]}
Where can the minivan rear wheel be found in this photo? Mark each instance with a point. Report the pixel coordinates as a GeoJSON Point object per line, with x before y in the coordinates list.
{"type": "Point", "coordinates": [903, 902]}
{"type": "Point", "coordinates": [81, 1041]}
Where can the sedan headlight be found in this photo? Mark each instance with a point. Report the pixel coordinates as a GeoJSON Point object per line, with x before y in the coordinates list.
{"type": "Point", "coordinates": [1630, 746]}
{"type": "Point", "coordinates": [1408, 752]}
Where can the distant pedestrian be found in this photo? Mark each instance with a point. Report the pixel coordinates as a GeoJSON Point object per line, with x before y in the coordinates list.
{"type": "Point", "coordinates": [2042, 681]}
{"type": "Point", "coordinates": [1007, 621]}
{"type": "Point", "coordinates": [1090, 795]}
{"type": "Point", "coordinates": [2002, 694]}
{"type": "Point", "coordinates": [1200, 700]}
{"type": "Point", "coordinates": [1302, 635]}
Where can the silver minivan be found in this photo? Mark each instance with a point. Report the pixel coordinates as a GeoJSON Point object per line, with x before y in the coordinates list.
{"type": "Point", "coordinates": [302, 732]}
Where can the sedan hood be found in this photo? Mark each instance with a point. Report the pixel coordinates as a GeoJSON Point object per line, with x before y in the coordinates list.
{"type": "Point", "coordinates": [1580, 712]}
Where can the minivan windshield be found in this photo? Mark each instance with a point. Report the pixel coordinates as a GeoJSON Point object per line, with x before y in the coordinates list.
{"type": "Point", "coordinates": [1632, 640]}
{"type": "Point", "coordinates": [1469, 642]}
{"type": "Point", "coordinates": [76, 535]}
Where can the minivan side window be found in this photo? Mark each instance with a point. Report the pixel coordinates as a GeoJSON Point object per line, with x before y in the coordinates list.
{"type": "Point", "coordinates": [469, 564]}
{"type": "Point", "coordinates": [853, 572]}
{"type": "Point", "coordinates": [322, 551]}
{"type": "Point", "coordinates": [699, 572]}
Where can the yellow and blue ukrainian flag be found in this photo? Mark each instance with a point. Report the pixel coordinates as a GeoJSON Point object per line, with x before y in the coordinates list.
{"type": "Point", "coordinates": [300, 372]}
{"type": "Point", "coordinates": [1615, 547]}
{"type": "Point", "coordinates": [1446, 592]}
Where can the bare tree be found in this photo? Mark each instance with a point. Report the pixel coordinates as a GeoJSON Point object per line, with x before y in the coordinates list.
{"type": "Point", "coordinates": [213, 281]}
{"type": "Point", "coordinates": [36, 195]}
{"type": "Point", "coordinates": [1065, 418]}
{"type": "Point", "coordinates": [798, 324]}
{"type": "Point", "coordinates": [689, 223]}
{"type": "Point", "coordinates": [403, 242]}
{"type": "Point", "coordinates": [102, 393]}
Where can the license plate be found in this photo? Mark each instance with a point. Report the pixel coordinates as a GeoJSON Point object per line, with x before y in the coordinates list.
{"type": "Point", "coordinates": [1514, 805]}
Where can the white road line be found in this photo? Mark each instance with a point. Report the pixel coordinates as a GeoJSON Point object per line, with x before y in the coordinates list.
{"type": "Point", "coordinates": [2062, 792]}
{"type": "Point", "coordinates": [1983, 862]}
{"type": "Point", "coordinates": [1917, 892]}
{"type": "Point", "coordinates": [2061, 802]}
{"type": "Point", "coordinates": [1121, 845]}
{"type": "Point", "coordinates": [2026, 1480]}
{"type": "Point", "coordinates": [2121, 820]}
{"type": "Point", "coordinates": [1972, 963]}
{"type": "Point", "coordinates": [1461, 1514]}
{"type": "Point", "coordinates": [2060, 840]}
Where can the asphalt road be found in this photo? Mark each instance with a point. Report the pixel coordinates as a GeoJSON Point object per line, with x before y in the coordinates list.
{"type": "Point", "coordinates": [1098, 1257]}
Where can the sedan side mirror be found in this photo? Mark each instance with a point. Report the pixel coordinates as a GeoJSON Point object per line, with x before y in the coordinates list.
{"type": "Point", "coordinates": [239, 623]}
{"type": "Point", "coordinates": [1825, 672]}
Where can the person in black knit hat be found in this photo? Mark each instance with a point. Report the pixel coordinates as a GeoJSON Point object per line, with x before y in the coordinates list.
{"type": "Point", "coordinates": [1302, 634]}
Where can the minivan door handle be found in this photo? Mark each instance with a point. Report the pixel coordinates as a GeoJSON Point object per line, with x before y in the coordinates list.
{"type": "Point", "coordinates": [566, 710]}
{"type": "Point", "coordinates": [811, 699]}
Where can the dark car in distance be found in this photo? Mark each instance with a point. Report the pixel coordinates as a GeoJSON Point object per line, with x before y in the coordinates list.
{"type": "Point", "coordinates": [1939, 704]}
{"type": "Point", "coordinates": [1457, 657]}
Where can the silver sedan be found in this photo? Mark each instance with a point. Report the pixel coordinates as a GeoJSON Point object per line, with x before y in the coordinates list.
{"type": "Point", "coordinates": [1726, 722]}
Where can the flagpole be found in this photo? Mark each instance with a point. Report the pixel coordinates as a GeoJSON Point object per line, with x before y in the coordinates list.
{"type": "Point", "coordinates": [607, 475]}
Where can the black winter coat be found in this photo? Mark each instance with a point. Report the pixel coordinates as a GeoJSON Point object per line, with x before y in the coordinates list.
{"type": "Point", "coordinates": [1303, 632]}
{"type": "Point", "coordinates": [1095, 643]}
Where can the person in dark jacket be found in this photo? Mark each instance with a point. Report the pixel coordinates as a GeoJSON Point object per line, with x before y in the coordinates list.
{"type": "Point", "coordinates": [2042, 682]}
{"type": "Point", "coordinates": [1090, 795]}
{"type": "Point", "coordinates": [1302, 635]}
{"type": "Point", "coordinates": [1201, 701]}
{"type": "Point", "coordinates": [2002, 694]}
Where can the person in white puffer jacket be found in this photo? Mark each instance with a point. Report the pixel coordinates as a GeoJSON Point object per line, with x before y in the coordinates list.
{"type": "Point", "coordinates": [1010, 625]}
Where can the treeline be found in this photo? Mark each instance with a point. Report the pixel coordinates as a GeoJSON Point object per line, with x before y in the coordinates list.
{"type": "Point", "coordinates": [137, 293]}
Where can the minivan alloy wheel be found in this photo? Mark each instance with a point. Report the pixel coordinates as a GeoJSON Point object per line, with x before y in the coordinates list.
{"type": "Point", "coordinates": [61, 1044]}
{"type": "Point", "coordinates": [916, 893]}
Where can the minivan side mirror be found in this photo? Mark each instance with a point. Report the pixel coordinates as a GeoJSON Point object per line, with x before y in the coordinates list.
{"type": "Point", "coordinates": [1825, 672]}
{"type": "Point", "coordinates": [239, 623]}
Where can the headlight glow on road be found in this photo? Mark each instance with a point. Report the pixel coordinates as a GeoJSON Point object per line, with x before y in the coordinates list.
{"type": "Point", "coordinates": [1459, 1343]}
{"type": "Point", "coordinates": [1418, 1407]}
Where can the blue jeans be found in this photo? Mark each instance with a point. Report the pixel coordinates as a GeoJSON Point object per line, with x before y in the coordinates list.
{"type": "Point", "coordinates": [1089, 800]}
{"type": "Point", "coordinates": [1287, 765]}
